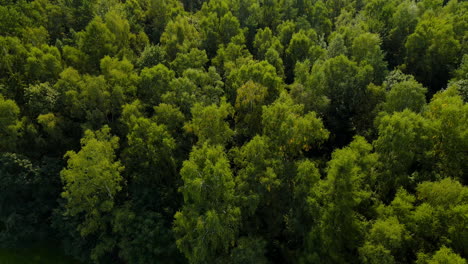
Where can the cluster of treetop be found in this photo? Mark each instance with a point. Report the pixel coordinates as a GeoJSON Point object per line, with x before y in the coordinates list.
{"type": "Point", "coordinates": [236, 131]}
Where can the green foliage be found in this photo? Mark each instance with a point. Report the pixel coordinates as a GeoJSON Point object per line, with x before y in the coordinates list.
{"type": "Point", "coordinates": [194, 86]}
{"type": "Point", "coordinates": [373, 254]}
{"type": "Point", "coordinates": [344, 83]}
{"type": "Point", "coordinates": [194, 59]}
{"type": "Point", "coordinates": [169, 116]}
{"type": "Point", "coordinates": [264, 40]}
{"type": "Point", "coordinates": [432, 51]}
{"type": "Point", "coordinates": [9, 124]}
{"type": "Point", "coordinates": [437, 205]}
{"type": "Point", "coordinates": [366, 50]}
{"type": "Point", "coordinates": [403, 143]}
{"type": "Point", "coordinates": [405, 95]}
{"type": "Point", "coordinates": [158, 14]}
{"type": "Point", "coordinates": [347, 187]}
{"type": "Point", "coordinates": [443, 255]}
{"type": "Point", "coordinates": [251, 131]}
{"type": "Point", "coordinates": [319, 17]}
{"type": "Point", "coordinates": [144, 237]}
{"type": "Point", "coordinates": [289, 129]}
{"type": "Point", "coordinates": [449, 116]}
{"type": "Point", "coordinates": [256, 179]}
{"type": "Point", "coordinates": [180, 35]}
{"type": "Point", "coordinates": [250, 98]}
{"type": "Point", "coordinates": [95, 100]}
{"type": "Point", "coordinates": [336, 46]}
{"type": "Point", "coordinates": [259, 72]}
{"type": "Point", "coordinates": [208, 123]}
{"type": "Point", "coordinates": [151, 56]}
{"type": "Point", "coordinates": [154, 82]}
{"type": "Point", "coordinates": [96, 42]}
{"type": "Point", "coordinates": [218, 27]}
{"type": "Point", "coordinates": [208, 222]}
{"type": "Point", "coordinates": [41, 98]}
{"type": "Point", "coordinates": [387, 238]}
{"type": "Point", "coordinates": [462, 71]}
{"type": "Point", "coordinates": [43, 63]}
{"type": "Point", "coordinates": [232, 56]}
{"type": "Point", "coordinates": [305, 90]}
{"type": "Point", "coordinates": [403, 22]}
{"type": "Point", "coordinates": [299, 46]}
{"type": "Point", "coordinates": [249, 250]}
{"type": "Point", "coordinates": [92, 180]}
{"type": "Point", "coordinates": [13, 57]}
{"type": "Point", "coordinates": [149, 146]}
{"type": "Point", "coordinates": [120, 76]}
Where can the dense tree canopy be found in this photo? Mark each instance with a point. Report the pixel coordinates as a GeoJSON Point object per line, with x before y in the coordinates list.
{"type": "Point", "coordinates": [235, 131]}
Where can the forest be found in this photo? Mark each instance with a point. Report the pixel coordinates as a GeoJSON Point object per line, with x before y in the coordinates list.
{"type": "Point", "coordinates": [235, 131]}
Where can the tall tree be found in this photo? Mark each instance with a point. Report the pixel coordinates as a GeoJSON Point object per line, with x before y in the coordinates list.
{"type": "Point", "coordinates": [209, 125]}
{"type": "Point", "coordinates": [9, 124]}
{"type": "Point", "coordinates": [207, 225]}
{"type": "Point", "coordinates": [347, 188]}
{"type": "Point", "coordinates": [345, 85]}
{"type": "Point", "coordinates": [433, 52]}
{"type": "Point", "coordinates": [92, 180]}
{"type": "Point", "coordinates": [406, 95]}
{"type": "Point", "coordinates": [96, 42]}
{"type": "Point", "coordinates": [180, 35]}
